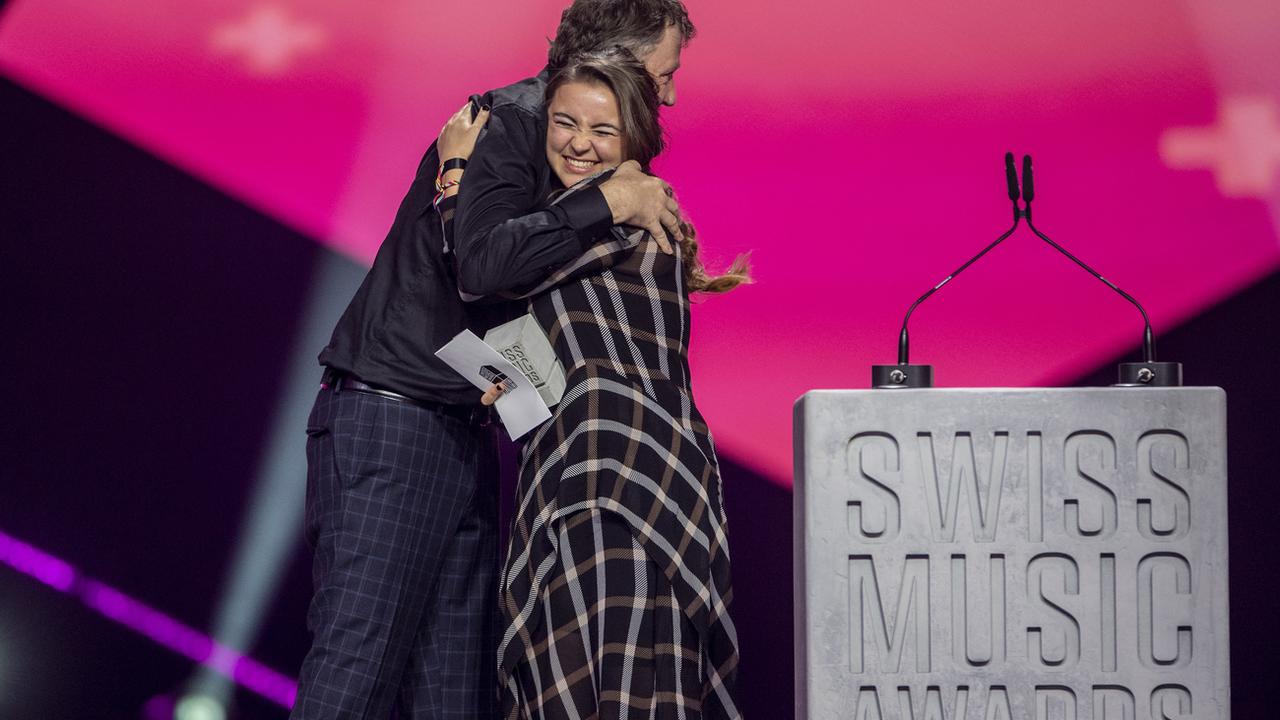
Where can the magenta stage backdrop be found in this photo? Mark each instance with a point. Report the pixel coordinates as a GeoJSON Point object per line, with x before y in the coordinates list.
{"type": "Point", "coordinates": [854, 147]}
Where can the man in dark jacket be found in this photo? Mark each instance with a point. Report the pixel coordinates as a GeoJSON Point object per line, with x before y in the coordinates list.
{"type": "Point", "coordinates": [401, 458]}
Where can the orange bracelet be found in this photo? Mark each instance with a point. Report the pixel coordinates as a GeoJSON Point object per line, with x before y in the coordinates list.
{"type": "Point", "coordinates": [443, 186]}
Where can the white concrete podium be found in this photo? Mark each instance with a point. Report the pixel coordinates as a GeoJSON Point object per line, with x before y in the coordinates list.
{"type": "Point", "coordinates": [1007, 554]}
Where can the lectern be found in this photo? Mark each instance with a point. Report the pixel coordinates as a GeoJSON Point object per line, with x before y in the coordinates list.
{"type": "Point", "coordinates": [1005, 554]}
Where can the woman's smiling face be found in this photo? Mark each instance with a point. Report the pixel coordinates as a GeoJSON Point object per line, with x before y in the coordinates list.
{"type": "Point", "coordinates": [584, 131]}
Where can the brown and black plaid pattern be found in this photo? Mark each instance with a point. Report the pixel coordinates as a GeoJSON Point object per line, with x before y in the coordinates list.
{"type": "Point", "coordinates": [616, 643]}
{"type": "Point", "coordinates": [627, 442]}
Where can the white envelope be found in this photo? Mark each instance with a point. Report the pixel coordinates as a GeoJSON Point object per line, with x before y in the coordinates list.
{"type": "Point", "coordinates": [521, 407]}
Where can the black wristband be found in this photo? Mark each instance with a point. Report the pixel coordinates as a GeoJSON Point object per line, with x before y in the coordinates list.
{"type": "Point", "coordinates": [453, 164]}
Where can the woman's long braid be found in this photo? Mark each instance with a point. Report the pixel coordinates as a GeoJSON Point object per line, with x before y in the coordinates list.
{"type": "Point", "coordinates": [695, 275]}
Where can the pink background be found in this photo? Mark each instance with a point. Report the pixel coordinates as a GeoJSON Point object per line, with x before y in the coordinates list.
{"type": "Point", "coordinates": [854, 147]}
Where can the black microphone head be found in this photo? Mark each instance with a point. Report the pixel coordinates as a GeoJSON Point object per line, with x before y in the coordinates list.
{"type": "Point", "coordinates": [1028, 180]}
{"type": "Point", "coordinates": [1011, 176]}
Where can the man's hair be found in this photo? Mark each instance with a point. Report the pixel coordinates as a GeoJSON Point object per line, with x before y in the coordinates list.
{"type": "Point", "coordinates": [589, 26]}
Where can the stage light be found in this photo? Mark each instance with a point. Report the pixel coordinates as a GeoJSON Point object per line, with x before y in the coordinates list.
{"type": "Point", "coordinates": [273, 524]}
{"type": "Point", "coordinates": [199, 707]}
{"type": "Point", "coordinates": [147, 621]}
{"type": "Point", "coordinates": [36, 563]}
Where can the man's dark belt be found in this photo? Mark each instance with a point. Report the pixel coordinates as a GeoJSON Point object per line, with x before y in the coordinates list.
{"type": "Point", "coordinates": [337, 381]}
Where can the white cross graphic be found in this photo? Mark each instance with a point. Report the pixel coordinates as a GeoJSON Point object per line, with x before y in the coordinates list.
{"type": "Point", "coordinates": [1243, 149]}
{"type": "Point", "coordinates": [267, 39]}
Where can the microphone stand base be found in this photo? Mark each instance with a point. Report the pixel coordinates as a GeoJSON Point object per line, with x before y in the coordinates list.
{"type": "Point", "coordinates": [896, 377]}
{"type": "Point", "coordinates": [1152, 374]}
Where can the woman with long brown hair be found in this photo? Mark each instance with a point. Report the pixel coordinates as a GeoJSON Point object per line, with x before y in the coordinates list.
{"type": "Point", "coordinates": [616, 588]}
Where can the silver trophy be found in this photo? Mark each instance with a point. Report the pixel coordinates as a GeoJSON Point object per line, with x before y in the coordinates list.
{"type": "Point", "coordinates": [525, 345]}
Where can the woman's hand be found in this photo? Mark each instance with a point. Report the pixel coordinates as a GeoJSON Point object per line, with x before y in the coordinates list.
{"type": "Point", "coordinates": [458, 136]}
{"type": "Point", "coordinates": [492, 394]}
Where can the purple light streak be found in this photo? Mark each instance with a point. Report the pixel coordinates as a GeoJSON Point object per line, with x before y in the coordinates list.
{"type": "Point", "coordinates": [40, 565]}
{"type": "Point", "coordinates": [147, 621]}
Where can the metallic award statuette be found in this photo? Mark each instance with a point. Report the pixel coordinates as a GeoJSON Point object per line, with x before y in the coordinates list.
{"type": "Point", "coordinates": [525, 345]}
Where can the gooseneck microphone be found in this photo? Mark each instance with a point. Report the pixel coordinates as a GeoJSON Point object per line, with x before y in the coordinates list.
{"type": "Point", "coordinates": [1028, 194]}
{"type": "Point", "coordinates": [904, 374]}
{"type": "Point", "coordinates": [1028, 181]}
{"type": "Point", "coordinates": [1011, 178]}
{"type": "Point", "coordinates": [1149, 372]}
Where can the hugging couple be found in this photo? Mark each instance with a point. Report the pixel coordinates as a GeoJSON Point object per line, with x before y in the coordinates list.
{"type": "Point", "coordinates": [613, 597]}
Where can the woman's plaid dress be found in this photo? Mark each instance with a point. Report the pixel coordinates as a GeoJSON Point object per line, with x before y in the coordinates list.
{"type": "Point", "coordinates": [616, 588]}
